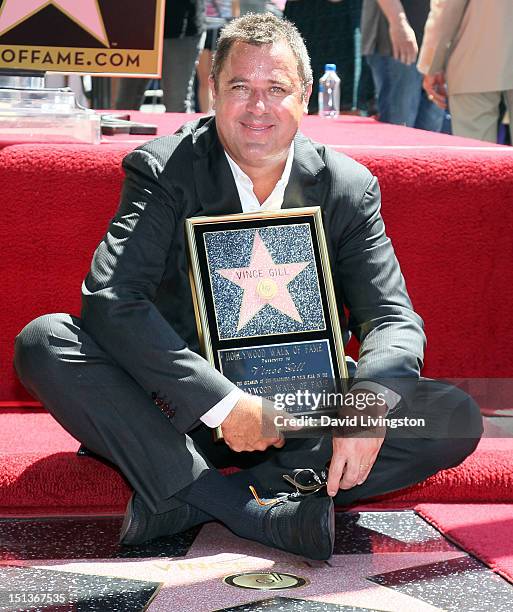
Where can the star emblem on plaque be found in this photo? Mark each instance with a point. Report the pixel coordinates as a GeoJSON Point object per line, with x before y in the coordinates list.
{"type": "Point", "coordinates": [264, 281]}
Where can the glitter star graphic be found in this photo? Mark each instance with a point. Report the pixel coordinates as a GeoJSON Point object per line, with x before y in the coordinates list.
{"type": "Point", "coordinates": [264, 282]}
{"type": "Point", "coordinates": [85, 13]}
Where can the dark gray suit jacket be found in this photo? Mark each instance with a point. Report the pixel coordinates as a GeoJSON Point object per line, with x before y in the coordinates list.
{"type": "Point", "coordinates": [137, 300]}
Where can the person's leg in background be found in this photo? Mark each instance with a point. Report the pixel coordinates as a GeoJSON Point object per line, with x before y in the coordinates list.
{"type": "Point", "coordinates": [178, 68]}
{"type": "Point", "coordinates": [130, 93]}
{"type": "Point", "coordinates": [475, 115]}
{"type": "Point", "coordinates": [364, 94]}
{"type": "Point", "coordinates": [203, 71]}
{"type": "Point", "coordinates": [400, 97]}
{"type": "Point", "coordinates": [397, 91]}
{"type": "Point", "coordinates": [429, 116]}
{"type": "Point", "coordinates": [252, 6]}
{"type": "Point", "coordinates": [508, 97]}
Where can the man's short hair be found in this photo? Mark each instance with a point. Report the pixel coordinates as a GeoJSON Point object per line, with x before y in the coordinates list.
{"type": "Point", "coordinates": [262, 29]}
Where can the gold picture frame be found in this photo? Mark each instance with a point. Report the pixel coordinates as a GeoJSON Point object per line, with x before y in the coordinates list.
{"type": "Point", "coordinates": [264, 300]}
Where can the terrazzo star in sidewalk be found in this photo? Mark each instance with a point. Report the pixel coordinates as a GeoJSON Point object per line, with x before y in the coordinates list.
{"type": "Point", "coordinates": [85, 13]}
{"type": "Point", "coordinates": [264, 282]}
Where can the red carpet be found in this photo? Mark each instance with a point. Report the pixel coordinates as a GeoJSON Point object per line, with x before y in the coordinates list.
{"type": "Point", "coordinates": [483, 530]}
{"type": "Point", "coordinates": [446, 203]}
{"type": "Point", "coordinates": [41, 474]}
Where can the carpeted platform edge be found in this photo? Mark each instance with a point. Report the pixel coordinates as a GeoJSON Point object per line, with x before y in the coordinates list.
{"type": "Point", "coordinates": [423, 511]}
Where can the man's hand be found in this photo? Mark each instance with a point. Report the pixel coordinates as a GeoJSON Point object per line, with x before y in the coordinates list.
{"type": "Point", "coordinates": [351, 462]}
{"type": "Point", "coordinates": [434, 86]}
{"type": "Point", "coordinates": [404, 41]}
{"type": "Point", "coordinates": [402, 36]}
{"type": "Point", "coordinates": [249, 428]}
{"type": "Point", "coordinates": [355, 448]}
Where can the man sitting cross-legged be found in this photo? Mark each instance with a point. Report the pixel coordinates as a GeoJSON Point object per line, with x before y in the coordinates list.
{"type": "Point", "coordinates": [126, 378]}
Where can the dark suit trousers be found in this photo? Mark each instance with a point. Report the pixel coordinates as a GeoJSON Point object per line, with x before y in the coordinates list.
{"type": "Point", "coordinates": [106, 410]}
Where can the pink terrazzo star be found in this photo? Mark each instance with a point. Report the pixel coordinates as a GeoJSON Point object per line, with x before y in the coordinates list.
{"type": "Point", "coordinates": [264, 282]}
{"type": "Point", "coordinates": [85, 13]}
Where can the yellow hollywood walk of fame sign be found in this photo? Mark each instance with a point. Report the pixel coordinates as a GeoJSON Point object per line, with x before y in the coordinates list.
{"type": "Point", "coordinates": [89, 36]}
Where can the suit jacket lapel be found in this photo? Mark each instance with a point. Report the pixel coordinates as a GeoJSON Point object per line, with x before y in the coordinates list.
{"type": "Point", "coordinates": [305, 187]}
{"type": "Point", "coordinates": [215, 185]}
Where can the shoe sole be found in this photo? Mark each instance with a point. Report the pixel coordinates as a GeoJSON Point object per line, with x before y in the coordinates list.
{"type": "Point", "coordinates": [328, 530]}
{"type": "Point", "coordinates": [127, 521]}
{"type": "Point", "coordinates": [321, 547]}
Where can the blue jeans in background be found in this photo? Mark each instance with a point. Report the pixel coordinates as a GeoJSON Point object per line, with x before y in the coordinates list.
{"type": "Point", "coordinates": [400, 97]}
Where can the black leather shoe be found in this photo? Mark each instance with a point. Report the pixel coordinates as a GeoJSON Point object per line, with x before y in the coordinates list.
{"type": "Point", "coordinates": [141, 525]}
{"type": "Point", "coordinates": [304, 525]}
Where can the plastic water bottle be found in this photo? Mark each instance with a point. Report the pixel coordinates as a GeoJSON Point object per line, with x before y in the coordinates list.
{"type": "Point", "coordinates": [329, 92]}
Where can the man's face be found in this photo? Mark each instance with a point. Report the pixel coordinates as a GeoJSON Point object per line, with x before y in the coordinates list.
{"type": "Point", "coordinates": [258, 103]}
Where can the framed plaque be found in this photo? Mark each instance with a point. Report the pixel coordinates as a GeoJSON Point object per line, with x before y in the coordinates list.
{"type": "Point", "coordinates": [264, 302]}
